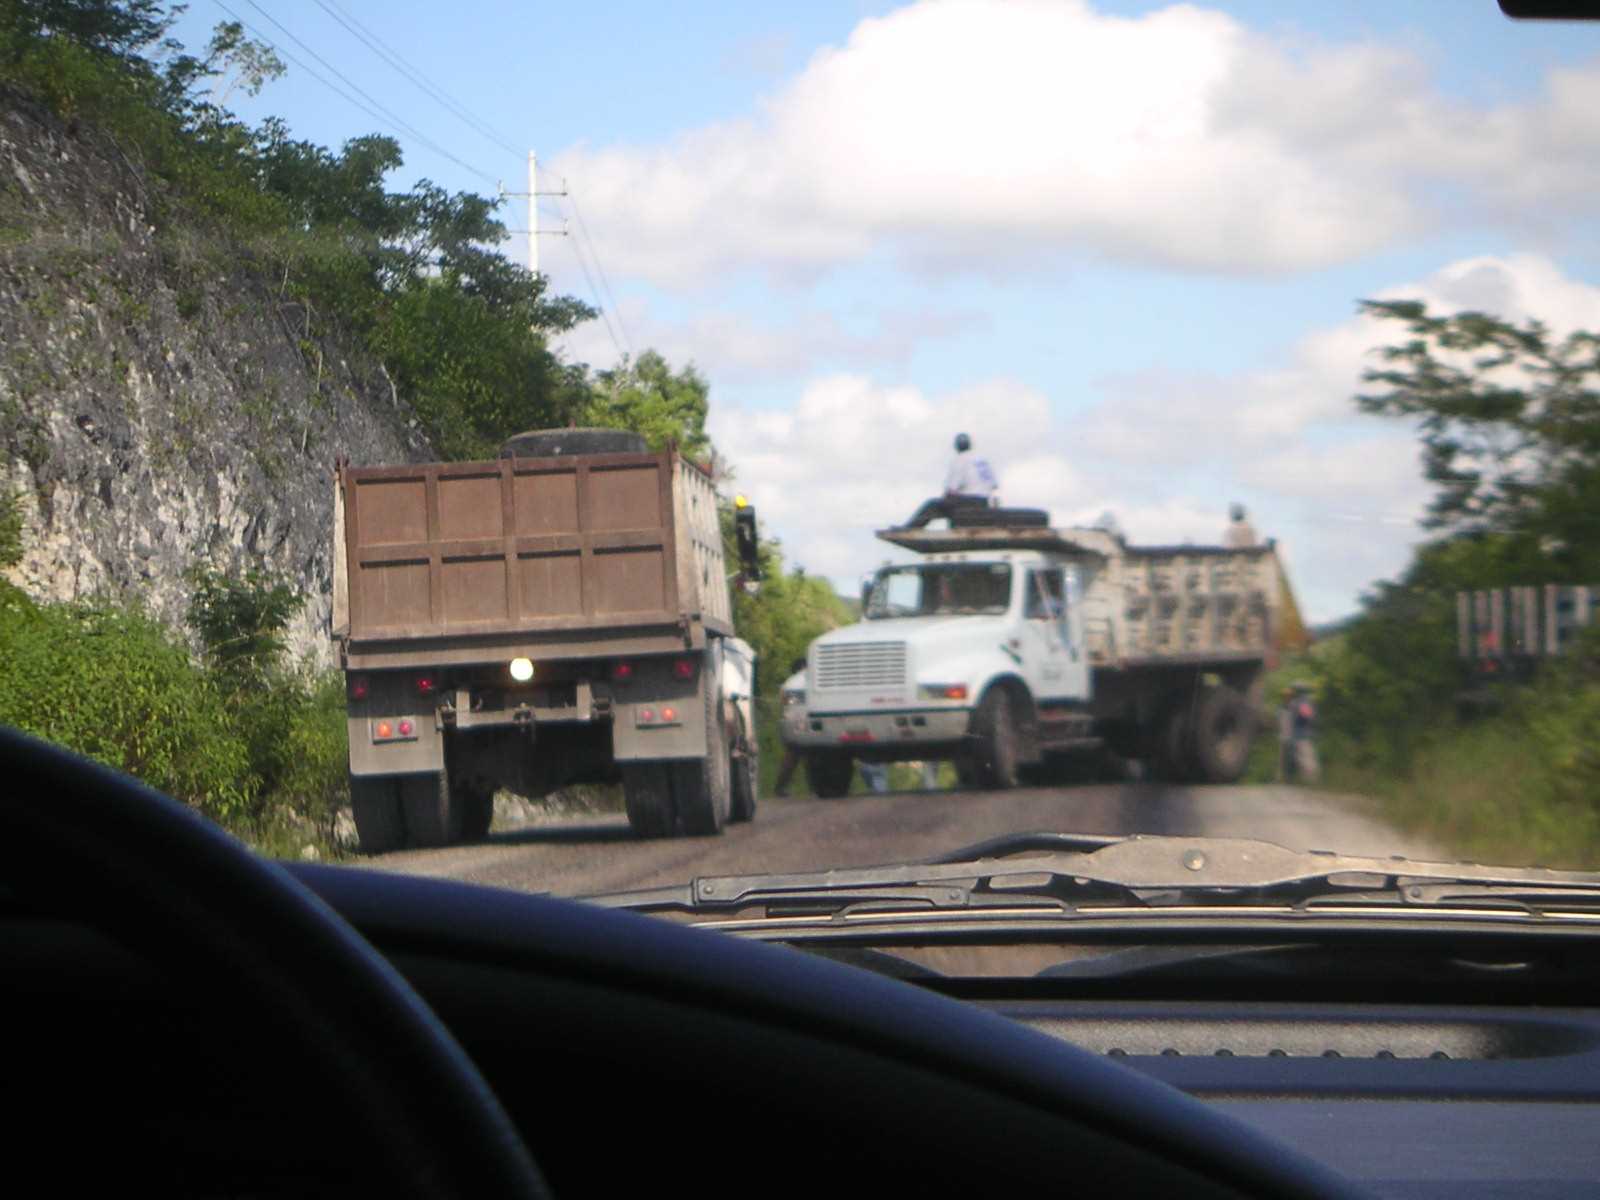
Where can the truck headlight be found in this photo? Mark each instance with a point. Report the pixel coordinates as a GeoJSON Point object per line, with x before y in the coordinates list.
{"type": "Point", "coordinates": [792, 698]}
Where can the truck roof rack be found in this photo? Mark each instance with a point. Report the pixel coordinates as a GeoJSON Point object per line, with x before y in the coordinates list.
{"type": "Point", "coordinates": [1059, 541]}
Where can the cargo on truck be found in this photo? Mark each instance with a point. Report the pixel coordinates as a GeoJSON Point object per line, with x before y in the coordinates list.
{"type": "Point", "coordinates": [558, 615]}
{"type": "Point", "coordinates": [1016, 648]}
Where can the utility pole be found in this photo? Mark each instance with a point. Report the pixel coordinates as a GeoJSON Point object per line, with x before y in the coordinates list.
{"type": "Point", "coordinates": [533, 231]}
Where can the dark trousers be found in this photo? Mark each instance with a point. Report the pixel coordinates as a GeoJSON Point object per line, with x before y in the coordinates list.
{"type": "Point", "coordinates": [946, 507]}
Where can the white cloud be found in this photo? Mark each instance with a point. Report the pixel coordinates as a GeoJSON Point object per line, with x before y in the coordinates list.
{"type": "Point", "coordinates": [734, 347]}
{"type": "Point", "coordinates": [959, 131]}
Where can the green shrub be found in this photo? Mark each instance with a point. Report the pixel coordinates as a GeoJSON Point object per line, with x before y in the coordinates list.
{"type": "Point", "coordinates": [112, 683]}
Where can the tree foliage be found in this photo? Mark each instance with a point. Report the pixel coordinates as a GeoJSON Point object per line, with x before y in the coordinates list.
{"type": "Point", "coordinates": [1509, 418]}
{"type": "Point", "coordinates": [648, 396]}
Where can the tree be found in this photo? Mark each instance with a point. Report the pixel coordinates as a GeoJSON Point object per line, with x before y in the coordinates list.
{"type": "Point", "coordinates": [1510, 424]}
{"type": "Point", "coordinates": [649, 397]}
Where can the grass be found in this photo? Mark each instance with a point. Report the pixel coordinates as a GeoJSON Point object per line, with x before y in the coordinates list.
{"type": "Point", "coordinates": [1487, 793]}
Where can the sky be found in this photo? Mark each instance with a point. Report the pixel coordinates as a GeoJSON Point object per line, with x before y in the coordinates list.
{"type": "Point", "coordinates": [1121, 245]}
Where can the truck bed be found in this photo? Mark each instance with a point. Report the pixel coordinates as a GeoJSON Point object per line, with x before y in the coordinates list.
{"type": "Point", "coordinates": [478, 560]}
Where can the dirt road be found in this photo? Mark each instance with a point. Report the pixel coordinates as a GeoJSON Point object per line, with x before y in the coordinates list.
{"type": "Point", "coordinates": [575, 856]}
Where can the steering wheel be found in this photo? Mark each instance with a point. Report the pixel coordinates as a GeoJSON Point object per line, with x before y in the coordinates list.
{"type": "Point", "coordinates": [81, 841]}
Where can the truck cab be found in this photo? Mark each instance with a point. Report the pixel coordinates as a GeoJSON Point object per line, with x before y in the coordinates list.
{"type": "Point", "coordinates": [944, 643]}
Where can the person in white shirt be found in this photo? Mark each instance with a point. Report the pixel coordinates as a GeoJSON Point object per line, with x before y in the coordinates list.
{"type": "Point", "coordinates": [970, 483]}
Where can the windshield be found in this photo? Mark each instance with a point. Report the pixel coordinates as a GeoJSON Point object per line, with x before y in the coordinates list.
{"type": "Point", "coordinates": [945, 590]}
{"type": "Point", "coordinates": [506, 448]}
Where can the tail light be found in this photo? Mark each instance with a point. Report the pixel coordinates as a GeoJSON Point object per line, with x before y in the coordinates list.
{"type": "Point", "coordinates": [425, 685]}
{"type": "Point", "coordinates": [358, 687]}
{"type": "Point", "coordinates": [622, 671]}
{"type": "Point", "coordinates": [669, 714]}
{"type": "Point", "coordinates": [406, 728]}
{"type": "Point", "coordinates": [683, 668]}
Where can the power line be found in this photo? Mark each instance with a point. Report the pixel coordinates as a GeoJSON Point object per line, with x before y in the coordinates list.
{"type": "Point", "coordinates": [606, 283]}
{"type": "Point", "coordinates": [595, 292]}
{"type": "Point", "coordinates": [393, 119]}
{"type": "Point", "coordinates": [412, 73]}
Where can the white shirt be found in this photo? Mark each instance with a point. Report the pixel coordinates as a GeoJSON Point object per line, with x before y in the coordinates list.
{"type": "Point", "coordinates": [970, 475]}
{"type": "Point", "coordinates": [1239, 534]}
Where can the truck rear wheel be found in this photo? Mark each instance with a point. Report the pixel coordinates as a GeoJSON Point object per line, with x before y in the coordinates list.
{"type": "Point", "coordinates": [702, 784]}
{"type": "Point", "coordinates": [996, 727]}
{"type": "Point", "coordinates": [432, 810]}
{"type": "Point", "coordinates": [375, 804]}
{"type": "Point", "coordinates": [647, 795]}
{"type": "Point", "coordinates": [1223, 731]}
{"type": "Point", "coordinates": [745, 769]}
{"type": "Point", "coordinates": [477, 814]}
{"type": "Point", "coordinates": [1174, 748]}
{"type": "Point", "coordinates": [829, 773]}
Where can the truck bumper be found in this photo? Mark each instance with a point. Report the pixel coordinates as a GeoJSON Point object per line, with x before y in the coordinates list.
{"type": "Point", "coordinates": [886, 736]}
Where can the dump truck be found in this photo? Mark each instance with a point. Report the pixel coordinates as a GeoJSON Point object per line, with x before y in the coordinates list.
{"type": "Point", "coordinates": [558, 615]}
{"type": "Point", "coordinates": [1013, 650]}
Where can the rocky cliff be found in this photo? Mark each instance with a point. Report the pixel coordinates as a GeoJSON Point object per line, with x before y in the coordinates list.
{"type": "Point", "coordinates": [163, 403]}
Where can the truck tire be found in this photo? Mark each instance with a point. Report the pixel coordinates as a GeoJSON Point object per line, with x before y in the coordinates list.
{"type": "Point", "coordinates": [432, 810]}
{"type": "Point", "coordinates": [553, 443]}
{"type": "Point", "coordinates": [1224, 727]}
{"type": "Point", "coordinates": [477, 814]}
{"type": "Point", "coordinates": [703, 785]}
{"type": "Point", "coordinates": [746, 772]}
{"type": "Point", "coordinates": [1174, 744]}
{"type": "Point", "coordinates": [647, 796]}
{"type": "Point", "coordinates": [996, 727]}
{"type": "Point", "coordinates": [375, 804]}
{"type": "Point", "coordinates": [829, 773]}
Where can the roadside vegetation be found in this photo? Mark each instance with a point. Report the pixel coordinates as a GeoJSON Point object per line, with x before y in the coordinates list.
{"type": "Point", "coordinates": [216, 714]}
{"type": "Point", "coordinates": [1509, 420]}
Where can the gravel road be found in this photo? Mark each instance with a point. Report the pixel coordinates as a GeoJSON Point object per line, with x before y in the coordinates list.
{"type": "Point", "coordinates": [578, 855]}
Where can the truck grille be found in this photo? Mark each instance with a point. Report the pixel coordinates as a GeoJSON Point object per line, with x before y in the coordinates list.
{"type": "Point", "coordinates": [861, 665]}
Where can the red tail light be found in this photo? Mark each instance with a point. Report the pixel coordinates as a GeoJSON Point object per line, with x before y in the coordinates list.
{"type": "Point", "coordinates": [622, 671]}
{"type": "Point", "coordinates": [683, 668]}
{"type": "Point", "coordinates": [425, 685]}
{"type": "Point", "coordinates": [405, 728]}
{"type": "Point", "coordinates": [358, 687]}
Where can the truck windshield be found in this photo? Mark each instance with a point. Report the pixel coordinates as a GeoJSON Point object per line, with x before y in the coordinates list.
{"type": "Point", "coordinates": [940, 589]}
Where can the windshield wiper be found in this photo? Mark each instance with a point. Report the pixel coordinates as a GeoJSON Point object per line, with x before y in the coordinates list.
{"type": "Point", "coordinates": [1068, 873]}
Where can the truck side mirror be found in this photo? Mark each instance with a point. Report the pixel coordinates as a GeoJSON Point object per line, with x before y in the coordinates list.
{"type": "Point", "coordinates": [744, 532]}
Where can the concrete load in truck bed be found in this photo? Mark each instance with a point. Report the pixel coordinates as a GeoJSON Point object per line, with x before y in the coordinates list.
{"type": "Point", "coordinates": [484, 561]}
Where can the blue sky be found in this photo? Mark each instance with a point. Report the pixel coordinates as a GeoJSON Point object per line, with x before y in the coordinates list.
{"type": "Point", "coordinates": [1121, 242]}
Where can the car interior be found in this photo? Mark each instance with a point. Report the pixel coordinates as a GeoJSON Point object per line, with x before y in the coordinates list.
{"type": "Point", "coordinates": [192, 1019]}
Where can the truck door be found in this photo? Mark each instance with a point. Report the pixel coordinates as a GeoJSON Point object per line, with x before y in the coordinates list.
{"type": "Point", "coordinates": [1053, 658]}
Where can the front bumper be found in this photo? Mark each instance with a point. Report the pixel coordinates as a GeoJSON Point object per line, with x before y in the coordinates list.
{"type": "Point", "coordinates": [905, 734]}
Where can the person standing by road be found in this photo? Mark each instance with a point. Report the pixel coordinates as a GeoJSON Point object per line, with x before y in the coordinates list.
{"type": "Point", "coordinates": [876, 776]}
{"type": "Point", "coordinates": [1306, 766]}
{"type": "Point", "coordinates": [1286, 735]}
{"type": "Point", "coordinates": [969, 484]}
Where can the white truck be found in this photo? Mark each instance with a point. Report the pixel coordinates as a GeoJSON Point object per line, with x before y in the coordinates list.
{"type": "Point", "coordinates": [1013, 650]}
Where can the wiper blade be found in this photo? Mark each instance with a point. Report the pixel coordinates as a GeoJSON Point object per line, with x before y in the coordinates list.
{"type": "Point", "coordinates": [1151, 871]}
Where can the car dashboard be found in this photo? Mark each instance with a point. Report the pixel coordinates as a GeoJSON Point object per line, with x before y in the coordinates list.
{"type": "Point", "coordinates": [637, 1056]}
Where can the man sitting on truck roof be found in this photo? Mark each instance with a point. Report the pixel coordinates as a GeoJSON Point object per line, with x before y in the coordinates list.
{"type": "Point", "coordinates": [969, 483]}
